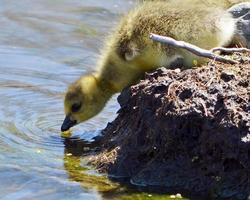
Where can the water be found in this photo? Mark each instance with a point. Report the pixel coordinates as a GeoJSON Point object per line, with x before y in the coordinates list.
{"type": "Point", "coordinates": [44, 46]}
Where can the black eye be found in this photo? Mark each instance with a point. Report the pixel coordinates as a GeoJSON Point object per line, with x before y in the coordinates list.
{"type": "Point", "coordinates": [76, 107]}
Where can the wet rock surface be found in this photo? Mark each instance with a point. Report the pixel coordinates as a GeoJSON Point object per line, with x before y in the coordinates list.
{"type": "Point", "coordinates": [188, 130]}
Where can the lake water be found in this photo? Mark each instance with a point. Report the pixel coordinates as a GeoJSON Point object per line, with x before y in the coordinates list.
{"type": "Point", "coordinates": [44, 46]}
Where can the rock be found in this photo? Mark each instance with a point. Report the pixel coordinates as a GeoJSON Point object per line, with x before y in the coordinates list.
{"type": "Point", "coordinates": [188, 130]}
{"type": "Point", "coordinates": [241, 12]}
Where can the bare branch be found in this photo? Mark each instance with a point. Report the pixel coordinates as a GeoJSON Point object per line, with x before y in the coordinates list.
{"type": "Point", "coordinates": [230, 50]}
{"type": "Point", "coordinates": [192, 48]}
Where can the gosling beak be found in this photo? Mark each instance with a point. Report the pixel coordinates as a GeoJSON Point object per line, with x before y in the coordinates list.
{"type": "Point", "coordinates": [67, 123]}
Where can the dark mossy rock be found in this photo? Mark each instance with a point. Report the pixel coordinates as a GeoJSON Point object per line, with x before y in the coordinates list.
{"type": "Point", "coordinates": [187, 130]}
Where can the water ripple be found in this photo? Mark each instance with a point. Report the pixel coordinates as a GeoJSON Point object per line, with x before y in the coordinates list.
{"type": "Point", "coordinates": [44, 46]}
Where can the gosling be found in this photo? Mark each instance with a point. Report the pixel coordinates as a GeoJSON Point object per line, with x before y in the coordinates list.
{"type": "Point", "coordinates": [129, 52]}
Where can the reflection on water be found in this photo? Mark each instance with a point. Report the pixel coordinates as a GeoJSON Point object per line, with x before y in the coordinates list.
{"type": "Point", "coordinates": [77, 172]}
{"type": "Point", "coordinates": [89, 179]}
{"type": "Point", "coordinates": [44, 46]}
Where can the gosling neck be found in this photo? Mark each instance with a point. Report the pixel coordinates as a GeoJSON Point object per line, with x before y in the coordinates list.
{"type": "Point", "coordinates": [105, 88]}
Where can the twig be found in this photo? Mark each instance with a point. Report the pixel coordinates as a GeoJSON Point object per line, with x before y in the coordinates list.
{"type": "Point", "coordinates": [192, 48]}
{"type": "Point", "coordinates": [230, 50]}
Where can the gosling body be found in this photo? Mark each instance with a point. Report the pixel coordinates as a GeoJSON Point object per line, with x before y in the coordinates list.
{"type": "Point", "coordinates": [129, 52]}
{"type": "Point", "coordinates": [220, 3]}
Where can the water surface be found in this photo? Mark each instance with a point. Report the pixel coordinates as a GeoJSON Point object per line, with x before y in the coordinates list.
{"type": "Point", "coordinates": [44, 46]}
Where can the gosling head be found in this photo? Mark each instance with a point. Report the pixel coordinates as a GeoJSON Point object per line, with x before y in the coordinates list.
{"type": "Point", "coordinates": [84, 99]}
